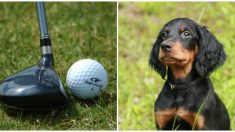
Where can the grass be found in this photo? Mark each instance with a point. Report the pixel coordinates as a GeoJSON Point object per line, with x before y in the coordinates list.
{"type": "Point", "coordinates": [139, 25]}
{"type": "Point", "coordinates": [78, 31]}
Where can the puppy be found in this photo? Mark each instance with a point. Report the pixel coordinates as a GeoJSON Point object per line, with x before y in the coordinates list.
{"type": "Point", "coordinates": [187, 53]}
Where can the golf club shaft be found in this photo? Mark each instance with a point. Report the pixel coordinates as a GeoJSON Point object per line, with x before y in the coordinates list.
{"type": "Point", "coordinates": [45, 41]}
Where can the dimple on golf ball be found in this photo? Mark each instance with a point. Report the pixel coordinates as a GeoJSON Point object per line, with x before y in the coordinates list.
{"type": "Point", "coordinates": [87, 79]}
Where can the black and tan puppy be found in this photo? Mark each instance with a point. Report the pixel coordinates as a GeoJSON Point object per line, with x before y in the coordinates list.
{"type": "Point", "coordinates": [187, 53]}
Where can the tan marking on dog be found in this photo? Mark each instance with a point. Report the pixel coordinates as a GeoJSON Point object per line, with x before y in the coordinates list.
{"type": "Point", "coordinates": [191, 118]}
{"type": "Point", "coordinates": [166, 29]}
{"type": "Point", "coordinates": [164, 116]}
{"type": "Point", "coordinates": [182, 28]}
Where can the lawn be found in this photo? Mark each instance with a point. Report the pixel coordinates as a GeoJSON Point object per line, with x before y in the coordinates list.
{"type": "Point", "coordinates": [139, 85]}
{"type": "Point", "coordinates": [78, 31]}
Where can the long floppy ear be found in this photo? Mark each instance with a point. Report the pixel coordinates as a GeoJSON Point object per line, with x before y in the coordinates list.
{"type": "Point", "coordinates": [154, 61]}
{"type": "Point", "coordinates": [211, 53]}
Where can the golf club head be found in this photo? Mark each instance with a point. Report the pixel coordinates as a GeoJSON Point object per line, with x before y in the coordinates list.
{"type": "Point", "coordinates": [34, 88]}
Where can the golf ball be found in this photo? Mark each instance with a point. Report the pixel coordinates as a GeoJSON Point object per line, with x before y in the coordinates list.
{"type": "Point", "coordinates": [87, 79]}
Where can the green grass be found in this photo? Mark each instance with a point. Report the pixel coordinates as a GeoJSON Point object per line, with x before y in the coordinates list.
{"type": "Point", "coordinates": [78, 31]}
{"type": "Point", "coordinates": [139, 25]}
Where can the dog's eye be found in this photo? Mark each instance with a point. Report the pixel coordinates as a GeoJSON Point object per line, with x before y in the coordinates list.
{"type": "Point", "coordinates": [185, 34]}
{"type": "Point", "coordinates": [164, 35]}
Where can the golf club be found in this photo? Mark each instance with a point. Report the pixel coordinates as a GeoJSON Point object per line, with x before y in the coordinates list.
{"type": "Point", "coordinates": [37, 87]}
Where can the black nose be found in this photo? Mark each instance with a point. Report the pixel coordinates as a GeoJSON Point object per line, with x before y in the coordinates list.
{"type": "Point", "coordinates": [166, 47]}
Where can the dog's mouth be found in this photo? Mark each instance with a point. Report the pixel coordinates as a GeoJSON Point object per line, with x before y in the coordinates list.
{"type": "Point", "coordinates": [168, 60]}
{"type": "Point", "coordinates": [170, 57]}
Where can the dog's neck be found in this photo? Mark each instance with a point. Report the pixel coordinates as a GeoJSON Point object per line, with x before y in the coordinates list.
{"type": "Point", "coordinates": [192, 75]}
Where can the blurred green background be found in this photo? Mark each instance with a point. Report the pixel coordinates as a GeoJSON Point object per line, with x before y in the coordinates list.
{"type": "Point", "coordinates": [78, 31]}
{"type": "Point", "coordinates": [139, 25]}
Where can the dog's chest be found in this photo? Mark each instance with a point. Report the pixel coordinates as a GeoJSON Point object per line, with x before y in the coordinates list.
{"type": "Point", "coordinates": [166, 116]}
{"type": "Point", "coordinates": [174, 107]}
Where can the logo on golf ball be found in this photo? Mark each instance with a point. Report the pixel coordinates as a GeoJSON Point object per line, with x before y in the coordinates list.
{"type": "Point", "coordinates": [93, 82]}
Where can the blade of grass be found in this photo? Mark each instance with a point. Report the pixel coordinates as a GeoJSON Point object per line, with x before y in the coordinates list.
{"type": "Point", "coordinates": [199, 110]}
{"type": "Point", "coordinates": [201, 14]}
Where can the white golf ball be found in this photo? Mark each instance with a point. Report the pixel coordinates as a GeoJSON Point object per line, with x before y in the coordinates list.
{"type": "Point", "coordinates": [87, 79]}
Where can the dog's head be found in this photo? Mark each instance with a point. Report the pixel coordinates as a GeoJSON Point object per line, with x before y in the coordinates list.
{"type": "Point", "coordinates": [183, 44]}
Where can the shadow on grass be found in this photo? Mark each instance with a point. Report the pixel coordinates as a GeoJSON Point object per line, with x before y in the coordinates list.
{"type": "Point", "coordinates": [103, 100]}
{"type": "Point", "coordinates": [63, 118]}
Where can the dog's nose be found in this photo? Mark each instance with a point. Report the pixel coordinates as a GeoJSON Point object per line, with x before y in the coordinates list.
{"type": "Point", "coordinates": [166, 47]}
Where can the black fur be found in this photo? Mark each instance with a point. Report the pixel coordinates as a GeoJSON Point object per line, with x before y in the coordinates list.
{"type": "Point", "coordinates": [211, 53]}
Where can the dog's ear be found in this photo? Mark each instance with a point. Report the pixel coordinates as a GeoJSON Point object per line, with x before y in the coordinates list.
{"type": "Point", "coordinates": [211, 53]}
{"type": "Point", "coordinates": [154, 61]}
